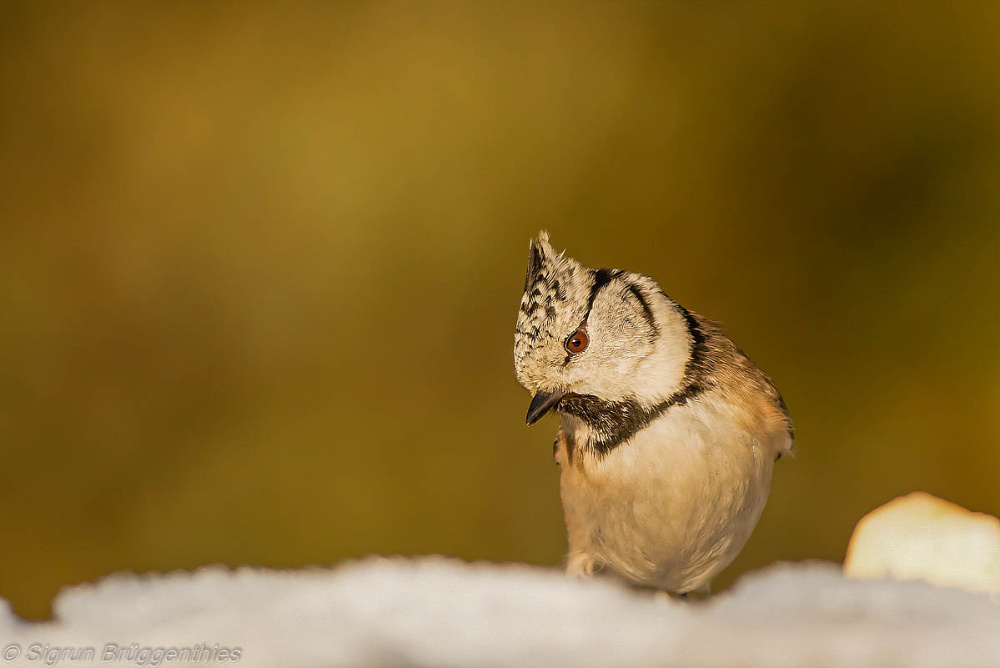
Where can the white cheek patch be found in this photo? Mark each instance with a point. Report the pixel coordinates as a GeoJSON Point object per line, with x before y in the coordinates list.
{"type": "Point", "coordinates": [622, 337]}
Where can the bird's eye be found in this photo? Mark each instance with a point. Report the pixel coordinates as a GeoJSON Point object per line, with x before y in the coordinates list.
{"type": "Point", "coordinates": [577, 342]}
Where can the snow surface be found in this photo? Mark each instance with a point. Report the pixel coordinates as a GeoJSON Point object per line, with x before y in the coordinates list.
{"type": "Point", "coordinates": [443, 612]}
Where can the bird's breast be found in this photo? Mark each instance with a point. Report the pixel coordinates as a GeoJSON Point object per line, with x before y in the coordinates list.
{"type": "Point", "coordinates": [671, 506]}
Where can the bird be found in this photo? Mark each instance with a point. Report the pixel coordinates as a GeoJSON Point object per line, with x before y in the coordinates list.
{"type": "Point", "coordinates": [668, 432]}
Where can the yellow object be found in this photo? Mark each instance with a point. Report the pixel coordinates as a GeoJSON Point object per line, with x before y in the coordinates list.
{"type": "Point", "coordinates": [922, 537]}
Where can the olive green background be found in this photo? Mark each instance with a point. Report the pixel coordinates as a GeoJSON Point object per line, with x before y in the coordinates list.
{"type": "Point", "coordinates": [260, 264]}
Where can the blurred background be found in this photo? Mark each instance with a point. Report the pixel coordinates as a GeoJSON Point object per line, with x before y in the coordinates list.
{"type": "Point", "coordinates": [260, 265]}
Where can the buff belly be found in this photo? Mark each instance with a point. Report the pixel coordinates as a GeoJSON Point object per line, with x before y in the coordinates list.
{"type": "Point", "coordinates": [670, 509]}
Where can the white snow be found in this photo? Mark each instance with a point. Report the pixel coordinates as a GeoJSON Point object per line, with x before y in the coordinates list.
{"type": "Point", "coordinates": [443, 612]}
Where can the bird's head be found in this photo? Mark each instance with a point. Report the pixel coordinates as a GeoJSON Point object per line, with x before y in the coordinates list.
{"type": "Point", "coordinates": [590, 341]}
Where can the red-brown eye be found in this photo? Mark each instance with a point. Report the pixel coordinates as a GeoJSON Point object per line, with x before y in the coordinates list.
{"type": "Point", "coordinates": [577, 342]}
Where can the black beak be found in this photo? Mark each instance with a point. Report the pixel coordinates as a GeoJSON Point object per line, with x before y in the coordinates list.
{"type": "Point", "coordinates": [541, 404]}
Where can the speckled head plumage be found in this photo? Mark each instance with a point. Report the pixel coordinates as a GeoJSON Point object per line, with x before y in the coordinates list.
{"type": "Point", "coordinates": [556, 288]}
